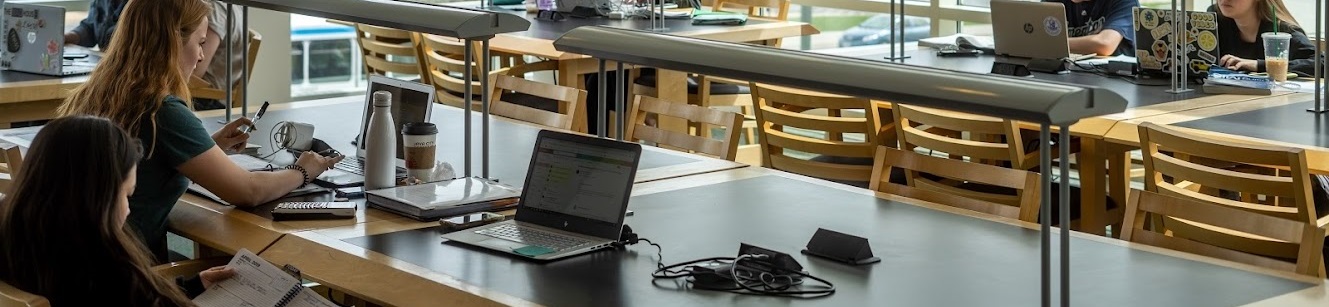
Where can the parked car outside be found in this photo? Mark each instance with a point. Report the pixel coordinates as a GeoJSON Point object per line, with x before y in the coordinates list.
{"type": "Point", "coordinates": [877, 30]}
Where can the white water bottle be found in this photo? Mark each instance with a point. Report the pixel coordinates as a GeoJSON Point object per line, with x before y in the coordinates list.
{"type": "Point", "coordinates": [381, 145]}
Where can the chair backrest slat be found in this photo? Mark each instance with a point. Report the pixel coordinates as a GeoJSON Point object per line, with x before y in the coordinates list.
{"type": "Point", "coordinates": [571, 101]}
{"type": "Point", "coordinates": [724, 148]}
{"type": "Point", "coordinates": [377, 44]}
{"type": "Point", "coordinates": [1023, 205]}
{"type": "Point", "coordinates": [809, 123]}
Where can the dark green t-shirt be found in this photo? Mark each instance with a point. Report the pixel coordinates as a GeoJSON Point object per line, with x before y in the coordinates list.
{"type": "Point", "coordinates": [179, 136]}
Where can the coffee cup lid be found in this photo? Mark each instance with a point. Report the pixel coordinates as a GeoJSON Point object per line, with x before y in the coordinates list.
{"type": "Point", "coordinates": [419, 128]}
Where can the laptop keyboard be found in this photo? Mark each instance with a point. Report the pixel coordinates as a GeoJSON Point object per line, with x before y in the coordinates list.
{"type": "Point", "coordinates": [532, 236]}
{"type": "Point", "coordinates": [354, 166]}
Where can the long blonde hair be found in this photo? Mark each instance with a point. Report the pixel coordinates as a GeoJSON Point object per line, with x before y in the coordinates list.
{"type": "Point", "coordinates": [1280, 10]}
{"type": "Point", "coordinates": [141, 66]}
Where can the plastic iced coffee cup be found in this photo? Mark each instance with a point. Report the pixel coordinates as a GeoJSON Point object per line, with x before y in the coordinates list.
{"type": "Point", "coordinates": [1276, 45]}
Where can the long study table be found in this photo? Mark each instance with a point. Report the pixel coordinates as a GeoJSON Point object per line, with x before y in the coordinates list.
{"type": "Point", "coordinates": [336, 120]}
{"type": "Point", "coordinates": [931, 256]}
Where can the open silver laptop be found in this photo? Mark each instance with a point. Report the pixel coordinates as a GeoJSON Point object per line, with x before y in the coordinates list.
{"type": "Point", "coordinates": [574, 201]}
{"type": "Point", "coordinates": [34, 41]}
{"type": "Point", "coordinates": [411, 102]}
{"type": "Point", "coordinates": [1031, 30]}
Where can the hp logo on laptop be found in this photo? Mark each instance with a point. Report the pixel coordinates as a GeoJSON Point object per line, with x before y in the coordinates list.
{"type": "Point", "coordinates": [1028, 28]}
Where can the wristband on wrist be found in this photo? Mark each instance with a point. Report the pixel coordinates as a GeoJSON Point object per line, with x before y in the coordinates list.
{"type": "Point", "coordinates": [303, 173]}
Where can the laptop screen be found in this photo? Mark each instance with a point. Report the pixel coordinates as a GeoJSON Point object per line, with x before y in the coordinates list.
{"type": "Point", "coordinates": [33, 37]}
{"type": "Point", "coordinates": [579, 183]}
{"type": "Point", "coordinates": [1154, 36]}
{"type": "Point", "coordinates": [411, 103]}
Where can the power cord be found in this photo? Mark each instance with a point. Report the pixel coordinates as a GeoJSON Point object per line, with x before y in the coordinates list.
{"type": "Point", "coordinates": [1095, 69]}
{"type": "Point", "coordinates": [745, 274]}
{"type": "Point", "coordinates": [751, 274]}
{"type": "Point", "coordinates": [627, 237]}
{"type": "Point", "coordinates": [272, 136]}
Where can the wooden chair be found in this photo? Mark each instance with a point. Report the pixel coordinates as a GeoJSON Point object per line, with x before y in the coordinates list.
{"type": "Point", "coordinates": [982, 139]}
{"type": "Point", "coordinates": [390, 52]}
{"type": "Point", "coordinates": [445, 62]}
{"type": "Point", "coordinates": [1307, 238]}
{"type": "Point", "coordinates": [784, 123]}
{"type": "Point", "coordinates": [199, 88]}
{"type": "Point", "coordinates": [1283, 191]}
{"type": "Point", "coordinates": [14, 297]}
{"type": "Point", "coordinates": [13, 157]}
{"type": "Point", "coordinates": [189, 267]}
{"type": "Point", "coordinates": [570, 101]}
{"type": "Point", "coordinates": [445, 69]}
{"type": "Point", "coordinates": [1023, 205]}
{"type": "Point", "coordinates": [724, 148]}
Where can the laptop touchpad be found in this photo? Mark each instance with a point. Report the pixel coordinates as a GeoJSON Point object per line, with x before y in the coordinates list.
{"type": "Point", "coordinates": [501, 244]}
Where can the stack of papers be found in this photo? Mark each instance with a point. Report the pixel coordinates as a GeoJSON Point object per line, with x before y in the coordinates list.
{"type": "Point", "coordinates": [1222, 81]}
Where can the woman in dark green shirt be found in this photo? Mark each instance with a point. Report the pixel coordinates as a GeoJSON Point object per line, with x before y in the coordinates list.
{"type": "Point", "coordinates": [141, 84]}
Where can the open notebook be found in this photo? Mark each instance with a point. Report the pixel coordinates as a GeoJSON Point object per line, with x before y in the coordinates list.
{"type": "Point", "coordinates": [251, 163]}
{"type": "Point", "coordinates": [259, 283]}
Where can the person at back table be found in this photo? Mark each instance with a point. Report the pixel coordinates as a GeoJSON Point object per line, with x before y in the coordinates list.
{"type": "Point", "coordinates": [62, 227]}
{"type": "Point", "coordinates": [96, 31]}
{"type": "Point", "coordinates": [1100, 26]}
{"type": "Point", "coordinates": [141, 86]}
{"type": "Point", "coordinates": [1240, 23]}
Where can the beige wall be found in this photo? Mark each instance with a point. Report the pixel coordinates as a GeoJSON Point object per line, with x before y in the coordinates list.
{"type": "Point", "coordinates": [272, 72]}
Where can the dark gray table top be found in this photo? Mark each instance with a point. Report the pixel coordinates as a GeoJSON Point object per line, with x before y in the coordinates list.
{"type": "Point", "coordinates": [510, 143]}
{"type": "Point", "coordinates": [929, 258]}
{"type": "Point", "coordinates": [1290, 123]}
{"type": "Point", "coordinates": [1147, 92]}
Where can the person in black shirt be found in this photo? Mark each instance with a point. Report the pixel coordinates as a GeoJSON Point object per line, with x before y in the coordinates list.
{"type": "Point", "coordinates": [1240, 23]}
{"type": "Point", "coordinates": [1102, 27]}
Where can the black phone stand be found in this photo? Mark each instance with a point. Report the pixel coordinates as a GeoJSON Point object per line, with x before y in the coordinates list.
{"type": "Point", "coordinates": [840, 247]}
{"type": "Point", "coordinates": [550, 15]}
{"type": "Point", "coordinates": [1010, 69]}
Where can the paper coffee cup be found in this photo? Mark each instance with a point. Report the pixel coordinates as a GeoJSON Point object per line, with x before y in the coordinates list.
{"type": "Point", "coordinates": [419, 142]}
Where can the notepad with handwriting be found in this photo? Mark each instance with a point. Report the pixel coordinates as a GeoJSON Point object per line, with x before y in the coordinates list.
{"type": "Point", "coordinates": [259, 283]}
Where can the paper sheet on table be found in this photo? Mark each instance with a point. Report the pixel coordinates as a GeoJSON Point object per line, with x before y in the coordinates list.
{"type": "Point", "coordinates": [1298, 86]}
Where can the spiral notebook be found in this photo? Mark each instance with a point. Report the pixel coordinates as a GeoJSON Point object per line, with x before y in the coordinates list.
{"type": "Point", "coordinates": [259, 283]}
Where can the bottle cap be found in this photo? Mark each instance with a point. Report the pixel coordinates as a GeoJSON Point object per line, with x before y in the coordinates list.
{"type": "Point", "coordinates": [382, 99]}
{"type": "Point", "coordinates": [419, 129]}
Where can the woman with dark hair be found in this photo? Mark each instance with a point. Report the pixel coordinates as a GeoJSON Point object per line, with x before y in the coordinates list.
{"type": "Point", "coordinates": [62, 225]}
{"type": "Point", "coordinates": [141, 85]}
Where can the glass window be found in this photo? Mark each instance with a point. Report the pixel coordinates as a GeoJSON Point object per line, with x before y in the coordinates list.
{"type": "Point", "coordinates": [976, 28]}
{"type": "Point", "coordinates": [297, 62]}
{"type": "Point", "coordinates": [982, 3]}
{"type": "Point", "coordinates": [1304, 12]}
{"type": "Point", "coordinates": [330, 60]}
